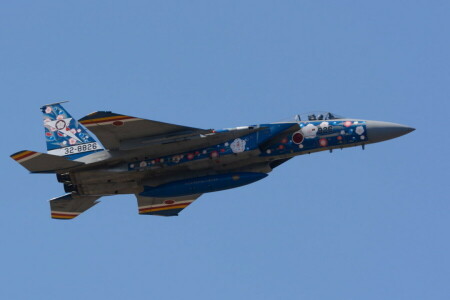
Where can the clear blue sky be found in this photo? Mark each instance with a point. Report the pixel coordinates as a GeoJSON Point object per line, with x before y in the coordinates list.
{"type": "Point", "coordinates": [354, 224]}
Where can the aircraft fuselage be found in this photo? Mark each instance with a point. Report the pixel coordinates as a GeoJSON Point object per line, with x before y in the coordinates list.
{"type": "Point", "coordinates": [213, 168]}
{"type": "Point", "coordinates": [168, 166]}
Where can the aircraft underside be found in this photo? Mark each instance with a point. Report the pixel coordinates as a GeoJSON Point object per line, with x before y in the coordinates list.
{"type": "Point", "coordinates": [103, 182]}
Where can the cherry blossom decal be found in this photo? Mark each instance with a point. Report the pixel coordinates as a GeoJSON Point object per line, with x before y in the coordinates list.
{"type": "Point", "coordinates": [61, 130]}
{"type": "Point", "coordinates": [238, 146]}
{"type": "Point", "coordinates": [323, 142]}
{"type": "Point", "coordinates": [359, 130]}
{"type": "Point", "coordinates": [324, 124]}
{"type": "Point", "coordinates": [309, 131]}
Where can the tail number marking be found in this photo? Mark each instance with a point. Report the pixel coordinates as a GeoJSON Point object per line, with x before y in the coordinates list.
{"type": "Point", "coordinates": [80, 148]}
{"type": "Point", "coordinates": [75, 149]}
{"type": "Point", "coordinates": [325, 130]}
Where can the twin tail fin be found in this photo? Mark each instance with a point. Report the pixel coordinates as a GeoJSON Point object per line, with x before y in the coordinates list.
{"type": "Point", "coordinates": [64, 135]}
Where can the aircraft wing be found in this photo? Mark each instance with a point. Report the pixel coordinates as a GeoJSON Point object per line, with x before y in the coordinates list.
{"type": "Point", "coordinates": [66, 207]}
{"type": "Point", "coordinates": [112, 129]}
{"type": "Point", "coordinates": [164, 206]}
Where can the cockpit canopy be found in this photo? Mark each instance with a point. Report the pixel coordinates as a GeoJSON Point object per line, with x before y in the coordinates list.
{"type": "Point", "coordinates": [317, 116]}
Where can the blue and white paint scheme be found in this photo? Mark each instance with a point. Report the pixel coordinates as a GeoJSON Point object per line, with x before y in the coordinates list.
{"type": "Point", "coordinates": [64, 135]}
{"type": "Point", "coordinates": [168, 166]}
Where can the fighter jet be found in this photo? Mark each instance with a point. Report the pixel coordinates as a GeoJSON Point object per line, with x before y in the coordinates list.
{"type": "Point", "coordinates": [167, 166]}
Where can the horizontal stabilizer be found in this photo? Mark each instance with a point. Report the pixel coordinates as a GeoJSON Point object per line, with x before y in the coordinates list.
{"type": "Point", "coordinates": [37, 162]}
{"type": "Point", "coordinates": [164, 206]}
{"type": "Point", "coordinates": [66, 207]}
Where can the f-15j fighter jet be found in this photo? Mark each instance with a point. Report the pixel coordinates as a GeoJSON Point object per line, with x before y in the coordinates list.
{"type": "Point", "coordinates": [168, 166]}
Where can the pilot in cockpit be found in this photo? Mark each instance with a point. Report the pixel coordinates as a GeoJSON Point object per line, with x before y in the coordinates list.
{"type": "Point", "coordinates": [330, 116]}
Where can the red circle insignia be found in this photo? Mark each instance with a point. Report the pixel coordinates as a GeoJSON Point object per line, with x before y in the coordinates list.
{"type": "Point", "coordinates": [297, 138]}
{"type": "Point", "coordinates": [117, 123]}
{"type": "Point", "coordinates": [169, 202]}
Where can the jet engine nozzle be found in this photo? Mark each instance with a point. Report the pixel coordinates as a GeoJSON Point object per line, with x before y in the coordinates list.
{"type": "Point", "coordinates": [69, 188]}
{"type": "Point", "coordinates": [65, 177]}
{"type": "Point", "coordinates": [378, 131]}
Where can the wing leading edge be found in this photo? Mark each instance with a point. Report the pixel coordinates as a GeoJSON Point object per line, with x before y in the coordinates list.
{"type": "Point", "coordinates": [111, 128]}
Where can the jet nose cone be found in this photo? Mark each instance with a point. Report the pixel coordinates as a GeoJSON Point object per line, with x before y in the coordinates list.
{"type": "Point", "coordinates": [378, 131]}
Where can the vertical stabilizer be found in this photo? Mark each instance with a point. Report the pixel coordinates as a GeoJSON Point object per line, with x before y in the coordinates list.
{"type": "Point", "coordinates": [64, 135]}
